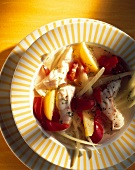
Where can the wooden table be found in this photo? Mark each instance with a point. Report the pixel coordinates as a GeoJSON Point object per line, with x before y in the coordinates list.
{"type": "Point", "coordinates": [19, 18]}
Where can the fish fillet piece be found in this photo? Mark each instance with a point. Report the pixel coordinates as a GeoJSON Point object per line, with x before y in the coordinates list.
{"type": "Point", "coordinates": [108, 107]}
{"type": "Point", "coordinates": [58, 75]}
{"type": "Point", "coordinates": [63, 99]}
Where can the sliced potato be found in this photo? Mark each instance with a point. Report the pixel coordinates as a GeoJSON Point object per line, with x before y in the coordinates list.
{"type": "Point", "coordinates": [88, 121]}
{"type": "Point", "coordinates": [49, 101]}
{"type": "Point", "coordinates": [81, 51]}
{"type": "Point", "coordinates": [76, 51]}
{"type": "Point", "coordinates": [88, 58]}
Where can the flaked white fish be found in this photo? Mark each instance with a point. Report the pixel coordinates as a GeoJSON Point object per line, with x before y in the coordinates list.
{"type": "Point", "coordinates": [63, 102]}
{"type": "Point", "coordinates": [58, 75]}
{"type": "Point", "coordinates": [108, 106]}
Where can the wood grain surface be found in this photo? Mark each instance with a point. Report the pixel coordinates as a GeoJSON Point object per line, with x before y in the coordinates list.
{"type": "Point", "coordinates": [19, 18]}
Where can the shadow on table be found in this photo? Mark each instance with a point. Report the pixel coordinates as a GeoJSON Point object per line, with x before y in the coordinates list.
{"type": "Point", "coordinates": [4, 54]}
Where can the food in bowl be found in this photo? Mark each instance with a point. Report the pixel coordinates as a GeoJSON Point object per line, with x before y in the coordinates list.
{"type": "Point", "coordinates": [76, 90]}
